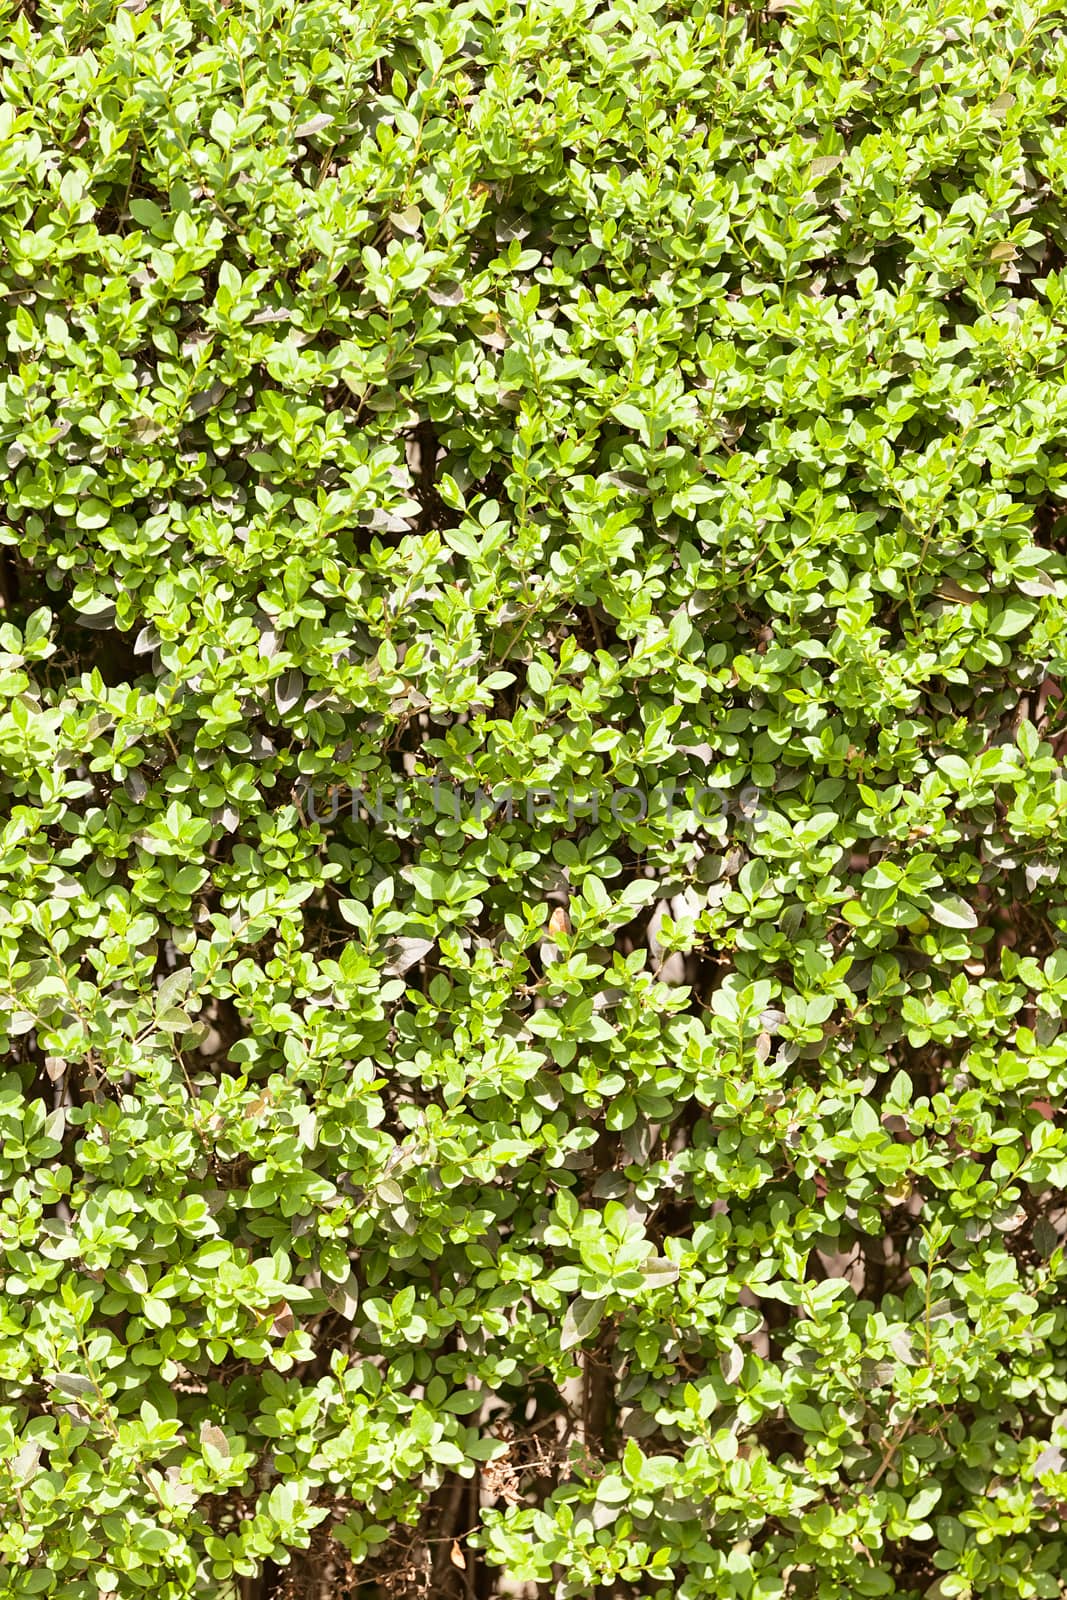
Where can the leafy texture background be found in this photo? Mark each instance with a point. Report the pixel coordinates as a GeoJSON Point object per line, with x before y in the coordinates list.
{"type": "Point", "coordinates": [532, 950]}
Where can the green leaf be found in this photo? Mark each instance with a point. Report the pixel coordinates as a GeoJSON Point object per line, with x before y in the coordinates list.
{"type": "Point", "coordinates": [952, 912]}
{"type": "Point", "coordinates": [582, 1318]}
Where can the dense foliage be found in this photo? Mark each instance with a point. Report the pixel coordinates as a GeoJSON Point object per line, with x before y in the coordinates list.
{"type": "Point", "coordinates": [533, 949]}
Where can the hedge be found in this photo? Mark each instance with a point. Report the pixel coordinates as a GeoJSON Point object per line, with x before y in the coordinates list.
{"type": "Point", "coordinates": [534, 939]}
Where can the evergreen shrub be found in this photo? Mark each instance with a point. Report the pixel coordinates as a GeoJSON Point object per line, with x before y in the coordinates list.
{"type": "Point", "coordinates": [533, 948]}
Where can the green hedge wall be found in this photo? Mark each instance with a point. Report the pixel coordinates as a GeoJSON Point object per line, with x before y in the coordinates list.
{"type": "Point", "coordinates": [533, 948]}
